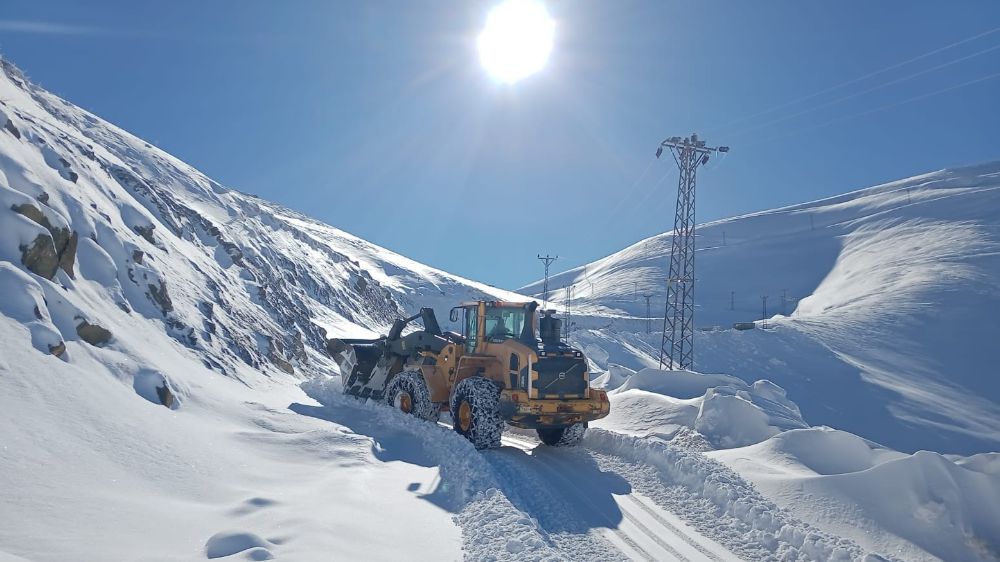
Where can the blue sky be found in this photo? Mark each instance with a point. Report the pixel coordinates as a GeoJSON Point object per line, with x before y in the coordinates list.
{"type": "Point", "coordinates": [376, 116]}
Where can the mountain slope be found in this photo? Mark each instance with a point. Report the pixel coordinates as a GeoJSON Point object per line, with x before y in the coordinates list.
{"type": "Point", "coordinates": [883, 302]}
{"type": "Point", "coordinates": [130, 281]}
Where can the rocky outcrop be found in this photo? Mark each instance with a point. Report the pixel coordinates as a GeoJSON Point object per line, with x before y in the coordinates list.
{"type": "Point", "coordinates": [58, 349]}
{"type": "Point", "coordinates": [93, 334]}
{"type": "Point", "coordinates": [67, 257]}
{"type": "Point", "coordinates": [158, 293]}
{"type": "Point", "coordinates": [47, 253]}
{"type": "Point", "coordinates": [276, 353]}
{"type": "Point", "coordinates": [40, 257]}
{"type": "Point", "coordinates": [10, 128]}
{"type": "Point", "coordinates": [146, 232]}
{"type": "Point", "coordinates": [165, 395]}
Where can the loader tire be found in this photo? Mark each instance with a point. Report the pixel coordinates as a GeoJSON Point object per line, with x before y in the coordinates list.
{"type": "Point", "coordinates": [408, 393]}
{"type": "Point", "coordinates": [562, 436]}
{"type": "Point", "coordinates": [475, 410]}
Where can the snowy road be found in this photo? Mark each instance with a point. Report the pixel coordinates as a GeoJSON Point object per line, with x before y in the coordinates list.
{"type": "Point", "coordinates": [590, 513]}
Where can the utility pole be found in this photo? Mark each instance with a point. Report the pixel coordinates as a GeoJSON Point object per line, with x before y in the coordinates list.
{"type": "Point", "coordinates": [732, 300]}
{"type": "Point", "coordinates": [649, 314]}
{"type": "Point", "coordinates": [677, 346]}
{"type": "Point", "coordinates": [763, 313]}
{"type": "Point", "coordinates": [784, 299]}
{"type": "Point", "coordinates": [547, 260]}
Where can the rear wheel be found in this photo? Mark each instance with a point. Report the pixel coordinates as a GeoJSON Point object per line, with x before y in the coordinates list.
{"type": "Point", "coordinates": [408, 393]}
{"type": "Point", "coordinates": [475, 410]}
{"type": "Point", "coordinates": [562, 436]}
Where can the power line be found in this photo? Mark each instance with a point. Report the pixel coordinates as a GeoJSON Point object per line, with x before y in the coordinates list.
{"type": "Point", "coordinates": [628, 192]}
{"type": "Point", "coordinates": [863, 92]}
{"type": "Point", "coordinates": [876, 110]}
{"type": "Point", "coordinates": [856, 80]}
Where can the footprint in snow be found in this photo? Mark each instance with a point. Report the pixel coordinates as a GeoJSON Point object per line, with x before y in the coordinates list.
{"type": "Point", "coordinates": [228, 543]}
{"type": "Point", "coordinates": [253, 504]}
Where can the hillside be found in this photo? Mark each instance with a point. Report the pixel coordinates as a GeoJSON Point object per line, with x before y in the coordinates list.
{"type": "Point", "coordinates": [883, 302]}
{"type": "Point", "coordinates": [131, 281]}
{"type": "Point", "coordinates": [165, 396]}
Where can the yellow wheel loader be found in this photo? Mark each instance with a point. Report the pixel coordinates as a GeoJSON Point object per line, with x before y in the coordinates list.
{"type": "Point", "coordinates": [508, 366]}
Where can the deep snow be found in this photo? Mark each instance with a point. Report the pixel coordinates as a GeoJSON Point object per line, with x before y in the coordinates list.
{"type": "Point", "coordinates": [216, 304]}
{"type": "Point", "coordinates": [884, 303]}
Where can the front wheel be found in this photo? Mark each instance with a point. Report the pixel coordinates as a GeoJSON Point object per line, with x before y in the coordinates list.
{"type": "Point", "coordinates": [475, 410]}
{"type": "Point", "coordinates": [562, 436]}
{"type": "Point", "coordinates": [408, 393]}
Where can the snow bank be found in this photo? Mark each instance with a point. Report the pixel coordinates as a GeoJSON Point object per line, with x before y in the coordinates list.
{"type": "Point", "coordinates": [679, 384]}
{"type": "Point", "coordinates": [614, 377]}
{"type": "Point", "coordinates": [921, 505]}
{"type": "Point", "coordinates": [738, 504]}
{"type": "Point", "coordinates": [723, 410]}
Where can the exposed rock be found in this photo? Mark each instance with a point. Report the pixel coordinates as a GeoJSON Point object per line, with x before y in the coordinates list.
{"type": "Point", "coordinates": [38, 313]}
{"type": "Point", "coordinates": [299, 347]}
{"type": "Point", "coordinates": [160, 296]}
{"type": "Point", "coordinates": [137, 256]}
{"type": "Point", "coordinates": [58, 349]}
{"type": "Point", "coordinates": [93, 334]}
{"type": "Point", "coordinates": [40, 257]}
{"type": "Point", "coordinates": [146, 232]}
{"type": "Point", "coordinates": [67, 257]}
{"type": "Point", "coordinates": [62, 241]}
{"type": "Point", "coordinates": [276, 353]}
{"type": "Point", "coordinates": [165, 395]}
{"type": "Point", "coordinates": [283, 365]}
{"type": "Point", "coordinates": [32, 213]}
{"type": "Point", "coordinates": [9, 126]}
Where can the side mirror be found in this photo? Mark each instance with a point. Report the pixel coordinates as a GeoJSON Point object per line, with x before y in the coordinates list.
{"type": "Point", "coordinates": [454, 314]}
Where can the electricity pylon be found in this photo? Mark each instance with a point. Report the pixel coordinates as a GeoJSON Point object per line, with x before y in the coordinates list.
{"type": "Point", "coordinates": [677, 347]}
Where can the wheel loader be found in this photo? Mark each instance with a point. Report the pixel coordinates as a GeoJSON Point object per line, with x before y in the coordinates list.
{"type": "Point", "coordinates": [507, 366]}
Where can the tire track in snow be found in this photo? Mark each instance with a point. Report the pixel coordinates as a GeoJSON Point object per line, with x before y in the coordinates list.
{"type": "Point", "coordinates": [684, 547]}
{"type": "Point", "coordinates": [552, 510]}
{"type": "Point", "coordinates": [639, 513]}
{"type": "Point", "coordinates": [641, 503]}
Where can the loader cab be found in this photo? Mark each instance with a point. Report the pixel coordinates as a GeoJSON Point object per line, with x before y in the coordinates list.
{"type": "Point", "coordinates": [494, 322]}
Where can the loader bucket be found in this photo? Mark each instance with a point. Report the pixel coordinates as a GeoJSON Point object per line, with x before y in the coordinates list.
{"type": "Point", "coordinates": [357, 360]}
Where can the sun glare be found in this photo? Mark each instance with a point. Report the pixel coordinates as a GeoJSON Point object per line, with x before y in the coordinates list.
{"type": "Point", "coordinates": [516, 41]}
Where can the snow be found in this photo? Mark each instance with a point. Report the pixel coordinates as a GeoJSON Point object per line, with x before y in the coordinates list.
{"type": "Point", "coordinates": [938, 507]}
{"type": "Point", "coordinates": [723, 410]}
{"type": "Point", "coordinates": [883, 303]}
{"type": "Point", "coordinates": [219, 303]}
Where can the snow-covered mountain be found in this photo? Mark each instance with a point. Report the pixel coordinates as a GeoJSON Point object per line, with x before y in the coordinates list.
{"type": "Point", "coordinates": [884, 304]}
{"type": "Point", "coordinates": [129, 281]}
{"type": "Point", "coordinates": [164, 394]}
{"type": "Point", "coordinates": [236, 279]}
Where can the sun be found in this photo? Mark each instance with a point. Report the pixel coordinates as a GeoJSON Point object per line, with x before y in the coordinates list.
{"type": "Point", "coordinates": [516, 41]}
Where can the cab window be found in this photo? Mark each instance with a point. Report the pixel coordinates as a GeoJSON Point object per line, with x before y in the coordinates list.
{"type": "Point", "coordinates": [503, 323]}
{"type": "Point", "coordinates": [471, 329]}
